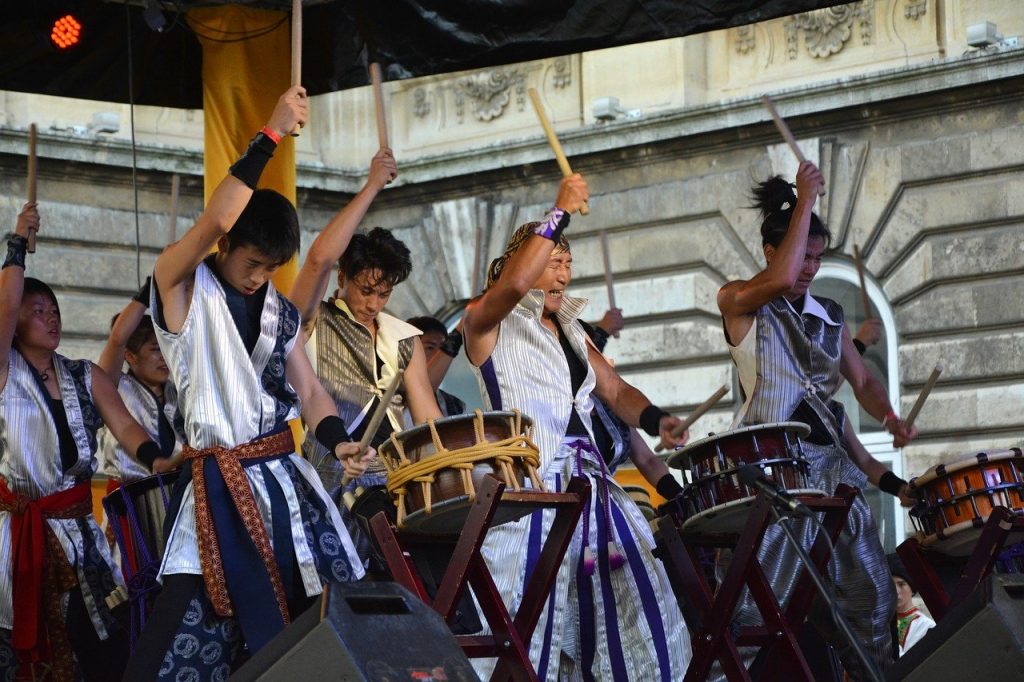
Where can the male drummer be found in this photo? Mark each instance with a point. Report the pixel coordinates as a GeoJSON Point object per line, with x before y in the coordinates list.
{"type": "Point", "coordinates": [792, 351]}
{"type": "Point", "coordinates": [611, 614]}
{"type": "Point", "coordinates": [254, 535]}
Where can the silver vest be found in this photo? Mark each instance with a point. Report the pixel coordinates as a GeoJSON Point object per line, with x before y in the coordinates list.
{"type": "Point", "coordinates": [143, 406]}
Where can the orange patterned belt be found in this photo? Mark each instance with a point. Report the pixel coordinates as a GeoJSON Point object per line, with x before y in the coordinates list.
{"type": "Point", "coordinates": [229, 463]}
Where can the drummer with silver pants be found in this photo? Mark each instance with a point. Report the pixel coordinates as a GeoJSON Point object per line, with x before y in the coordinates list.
{"type": "Point", "coordinates": [611, 613]}
{"type": "Point", "coordinates": [792, 352]}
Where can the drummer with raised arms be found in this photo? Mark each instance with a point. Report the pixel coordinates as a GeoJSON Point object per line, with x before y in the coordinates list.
{"type": "Point", "coordinates": [55, 565]}
{"type": "Point", "coordinates": [792, 351]}
{"type": "Point", "coordinates": [611, 614]}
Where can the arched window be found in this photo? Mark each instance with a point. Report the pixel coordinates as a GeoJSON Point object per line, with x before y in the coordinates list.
{"type": "Point", "coordinates": [838, 280]}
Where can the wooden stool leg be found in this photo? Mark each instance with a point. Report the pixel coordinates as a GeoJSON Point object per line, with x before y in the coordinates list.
{"type": "Point", "coordinates": [399, 565]}
{"type": "Point", "coordinates": [985, 553]}
{"type": "Point", "coordinates": [927, 583]}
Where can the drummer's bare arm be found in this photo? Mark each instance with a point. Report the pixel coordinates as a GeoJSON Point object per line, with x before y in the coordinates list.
{"type": "Point", "coordinates": [872, 468]}
{"type": "Point", "coordinates": [422, 400]}
{"type": "Point", "coordinates": [112, 357]}
{"type": "Point", "coordinates": [439, 363]}
{"type": "Point", "coordinates": [485, 313]}
{"type": "Point", "coordinates": [647, 463]}
{"type": "Point", "coordinates": [738, 300]}
{"type": "Point", "coordinates": [115, 415]}
{"type": "Point", "coordinates": [176, 266]}
{"type": "Point", "coordinates": [871, 394]}
{"type": "Point", "coordinates": [315, 275]}
{"type": "Point", "coordinates": [630, 404]}
{"type": "Point", "coordinates": [12, 283]}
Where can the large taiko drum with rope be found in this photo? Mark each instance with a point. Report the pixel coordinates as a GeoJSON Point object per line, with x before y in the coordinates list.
{"type": "Point", "coordinates": [434, 469]}
{"type": "Point", "coordinates": [958, 498]}
{"type": "Point", "coordinates": [717, 501]}
{"type": "Point", "coordinates": [137, 511]}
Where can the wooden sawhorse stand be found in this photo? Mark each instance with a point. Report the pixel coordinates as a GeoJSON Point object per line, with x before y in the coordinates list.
{"type": "Point", "coordinates": [710, 615]}
{"type": "Point", "coordinates": [509, 640]}
{"type": "Point", "coordinates": [1001, 522]}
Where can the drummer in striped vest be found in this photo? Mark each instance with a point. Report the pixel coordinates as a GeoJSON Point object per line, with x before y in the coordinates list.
{"type": "Point", "coordinates": [793, 351]}
{"type": "Point", "coordinates": [55, 566]}
{"type": "Point", "coordinates": [358, 347]}
{"type": "Point", "coordinates": [611, 613]}
{"type": "Point", "coordinates": [254, 535]}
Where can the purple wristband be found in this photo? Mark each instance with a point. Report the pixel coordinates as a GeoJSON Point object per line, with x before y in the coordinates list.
{"type": "Point", "coordinates": [553, 224]}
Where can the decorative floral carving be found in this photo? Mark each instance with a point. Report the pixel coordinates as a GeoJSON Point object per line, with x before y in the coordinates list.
{"type": "Point", "coordinates": [826, 31]}
{"type": "Point", "coordinates": [420, 103]}
{"type": "Point", "coordinates": [915, 9]}
{"type": "Point", "coordinates": [489, 92]}
{"type": "Point", "coordinates": [745, 41]}
{"type": "Point", "coordinates": [563, 73]}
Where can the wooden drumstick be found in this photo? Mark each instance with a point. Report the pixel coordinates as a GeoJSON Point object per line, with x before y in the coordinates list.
{"type": "Point", "coordinates": [609, 282]}
{"type": "Point", "coordinates": [477, 257]}
{"type": "Point", "coordinates": [696, 414]}
{"type": "Point", "coordinates": [377, 418]}
{"type": "Point", "coordinates": [924, 395]}
{"type": "Point", "coordinates": [32, 133]}
{"type": "Point", "coordinates": [556, 146]}
{"type": "Point", "coordinates": [172, 218]}
{"type": "Point", "coordinates": [863, 286]}
{"type": "Point", "coordinates": [787, 135]}
{"type": "Point", "coordinates": [296, 51]}
{"type": "Point", "coordinates": [378, 103]}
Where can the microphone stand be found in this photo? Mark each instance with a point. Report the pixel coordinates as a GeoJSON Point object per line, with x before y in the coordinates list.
{"type": "Point", "coordinates": [840, 619]}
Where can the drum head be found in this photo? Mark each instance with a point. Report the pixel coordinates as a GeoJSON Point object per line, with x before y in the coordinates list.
{"type": "Point", "coordinates": [455, 432]}
{"type": "Point", "coordinates": [448, 518]}
{"type": "Point", "coordinates": [729, 518]}
{"type": "Point", "coordinates": [960, 540]}
{"type": "Point", "coordinates": [969, 461]}
{"type": "Point", "coordinates": [681, 458]}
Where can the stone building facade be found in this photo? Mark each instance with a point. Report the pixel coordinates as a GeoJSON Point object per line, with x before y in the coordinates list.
{"type": "Point", "coordinates": [920, 137]}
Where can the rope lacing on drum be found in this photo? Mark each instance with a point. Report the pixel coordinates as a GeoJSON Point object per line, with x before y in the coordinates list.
{"type": "Point", "coordinates": [503, 452]}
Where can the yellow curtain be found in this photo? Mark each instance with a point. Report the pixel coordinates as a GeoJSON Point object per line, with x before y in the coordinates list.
{"type": "Point", "coordinates": [242, 80]}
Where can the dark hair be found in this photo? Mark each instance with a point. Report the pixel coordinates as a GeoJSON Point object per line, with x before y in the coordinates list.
{"type": "Point", "coordinates": [143, 334]}
{"type": "Point", "coordinates": [268, 223]}
{"type": "Point", "coordinates": [771, 198]}
{"type": "Point", "coordinates": [427, 325]}
{"type": "Point", "coordinates": [378, 250]}
{"type": "Point", "coordinates": [35, 286]}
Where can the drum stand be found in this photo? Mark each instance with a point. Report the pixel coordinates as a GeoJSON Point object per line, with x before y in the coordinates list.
{"type": "Point", "coordinates": [509, 640]}
{"type": "Point", "coordinates": [709, 615]}
{"type": "Point", "coordinates": [1001, 522]}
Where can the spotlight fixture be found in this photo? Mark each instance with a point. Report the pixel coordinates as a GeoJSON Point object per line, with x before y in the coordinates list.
{"type": "Point", "coordinates": [66, 31]}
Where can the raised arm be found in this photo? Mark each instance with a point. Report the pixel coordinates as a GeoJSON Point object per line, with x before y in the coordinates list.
{"type": "Point", "coordinates": [418, 390]}
{"type": "Point", "coordinates": [131, 436]}
{"type": "Point", "coordinates": [112, 357]}
{"type": "Point", "coordinates": [177, 264]}
{"type": "Point", "coordinates": [485, 313]}
{"type": "Point", "coordinates": [315, 275]}
{"type": "Point", "coordinates": [12, 283]}
{"type": "Point", "coordinates": [744, 297]}
{"type": "Point", "coordinates": [439, 363]}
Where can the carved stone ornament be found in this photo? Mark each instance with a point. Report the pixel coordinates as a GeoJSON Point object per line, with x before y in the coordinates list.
{"type": "Point", "coordinates": [915, 9]}
{"type": "Point", "coordinates": [490, 92]}
{"type": "Point", "coordinates": [745, 41]}
{"type": "Point", "coordinates": [420, 103]}
{"type": "Point", "coordinates": [563, 73]}
{"type": "Point", "coordinates": [826, 31]}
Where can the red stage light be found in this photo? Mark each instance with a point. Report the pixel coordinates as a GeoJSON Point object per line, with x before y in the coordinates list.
{"type": "Point", "coordinates": [65, 32]}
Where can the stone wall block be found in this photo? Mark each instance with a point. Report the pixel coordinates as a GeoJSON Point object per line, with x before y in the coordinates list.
{"type": "Point", "coordinates": [969, 357]}
{"type": "Point", "coordinates": [681, 385]}
{"type": "Point", "coordinates": [658, 294]}
{"type": "Point", "coordinates": [93, 269]}
{"type": "Point", "coordinates": [660, 343]}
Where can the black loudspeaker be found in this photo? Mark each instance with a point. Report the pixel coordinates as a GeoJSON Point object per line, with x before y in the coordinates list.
{"type": "Point", "coordinates": [362, 631]}
{"type": "Point", "coordinates": [983, 635]}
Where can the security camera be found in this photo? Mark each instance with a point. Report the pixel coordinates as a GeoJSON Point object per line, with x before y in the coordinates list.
{"type": "Point", "coordinates": [983, 34]}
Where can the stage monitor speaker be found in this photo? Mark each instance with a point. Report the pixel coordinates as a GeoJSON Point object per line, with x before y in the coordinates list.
{"type": "Point", "coordinates": [982, 636]}
{"type": "Point", "coordinates": [362, 631]}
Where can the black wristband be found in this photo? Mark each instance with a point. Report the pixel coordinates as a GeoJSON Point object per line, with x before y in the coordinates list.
{"type": "Point", "coordinates": [17, 247]}
{"type": "Point", "coordinates": [859, 345]}
{"type": "Point", "coordinates": [331, 431]}
{"type": "Point", "coordinates": [599, 337]}
{"type": "Point", "coordinates": [250, 166]}
{"type": "Point", "coordinates": [650, 420]}
{"type": "Point", "coordinates": [668, 487]}
{"type": "Point", "coordinates": [149, 452]}
{"type": "Point", "coordinates": [143, 294]}
{"type": "Point", "coordinates": [891, 483]}
{"type": "Point", "coordinates": [452, 343]}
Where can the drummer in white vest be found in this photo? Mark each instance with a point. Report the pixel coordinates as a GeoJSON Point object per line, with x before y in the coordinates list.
{"type": "Point", "coordinates": [254, 535]}
{"type": "Point", "coordinates": [792, 351]}
{"type": "Point", "coordinates": [611, 613]}
{"type": "Point", "coordinates": [55, 566]}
